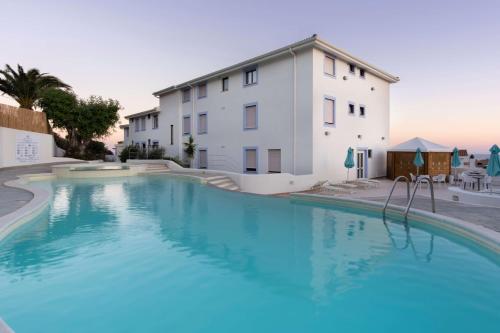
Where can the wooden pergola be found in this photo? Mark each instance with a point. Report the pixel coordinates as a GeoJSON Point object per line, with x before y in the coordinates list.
{"type": "Point", "coordinates": [437, 159]}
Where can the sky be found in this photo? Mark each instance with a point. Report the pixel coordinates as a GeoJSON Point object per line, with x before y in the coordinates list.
{"type": "Point", "coordinates": [447, 53]}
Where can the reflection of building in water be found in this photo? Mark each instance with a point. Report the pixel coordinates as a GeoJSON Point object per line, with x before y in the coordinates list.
{"type": "Point", "coordinates": [283, 246]}
{"type": "Point", "coordinates": [344, 246]}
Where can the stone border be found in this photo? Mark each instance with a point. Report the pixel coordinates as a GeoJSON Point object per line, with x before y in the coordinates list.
{"type": "Point", "coordinates": [40, 201]}
{"type": "Point", "coordinates": [485, 237]}
{"type": "Point", "coordinates": [4, 328]}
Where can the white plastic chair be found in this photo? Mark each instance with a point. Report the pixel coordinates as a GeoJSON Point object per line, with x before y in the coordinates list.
{"type": "Point", "coordinates": [413, 178]}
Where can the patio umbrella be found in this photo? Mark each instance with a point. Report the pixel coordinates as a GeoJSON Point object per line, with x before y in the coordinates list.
{"type": "Point", "coordinates": [419, 160]}
{"type": "Point", "coordinates": [349, 161]}
{"type": "Point", "coordinates": [455, 160]}
{"type": "Point", "coordinates": [493, 169]}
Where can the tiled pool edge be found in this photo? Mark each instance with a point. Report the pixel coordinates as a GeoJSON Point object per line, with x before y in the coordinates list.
{"type": "Point", "coordinates": [483, 236]}
{"type": "Point", "coordinates": [40, 201]}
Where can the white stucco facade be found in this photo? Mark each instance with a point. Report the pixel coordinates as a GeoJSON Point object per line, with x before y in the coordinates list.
{"type": "Point", "coordinates": [19, 147]}
{"type": "Point", "coordinates": [289, 95]}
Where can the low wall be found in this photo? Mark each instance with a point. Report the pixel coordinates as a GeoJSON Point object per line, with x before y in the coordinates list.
{"type": "Point", "coordinates": [18, 147]}
{"type": "Point", "coordinates": [475, 198]}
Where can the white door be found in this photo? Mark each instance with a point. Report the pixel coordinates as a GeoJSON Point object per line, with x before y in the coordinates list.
{"type": "Point", "coordinates": [360, 165]}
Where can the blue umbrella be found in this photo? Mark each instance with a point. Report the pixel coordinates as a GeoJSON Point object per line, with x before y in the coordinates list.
{"type": "Point", "coordinates": [349, 160]}
{"type": "Point", "coordinates": [419, 160]}
{"type": "Point", "coordinates": [455, 160]}
{"type": "Point", "coordinates": [493, 169]}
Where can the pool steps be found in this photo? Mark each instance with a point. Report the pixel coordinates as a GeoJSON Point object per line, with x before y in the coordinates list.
{"type": "Point", "coordinates": [156, 168]}
{"type": "Point", "coordinates": [223, 182]}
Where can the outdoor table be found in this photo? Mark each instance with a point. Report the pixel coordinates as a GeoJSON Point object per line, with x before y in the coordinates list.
{"type": "Point", "coordinates": [479, 177]}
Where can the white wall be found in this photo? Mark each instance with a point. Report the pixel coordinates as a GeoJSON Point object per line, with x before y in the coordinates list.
{"type": "Point", "coordinates": [8, 138]}
{"type": "Point", "coordinates": [312, 152]}
{"type": "Point", "coordinates": [330, 150]}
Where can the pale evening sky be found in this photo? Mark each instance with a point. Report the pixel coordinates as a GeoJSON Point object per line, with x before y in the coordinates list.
{"type": "Point", "coordinates": [447, 53]}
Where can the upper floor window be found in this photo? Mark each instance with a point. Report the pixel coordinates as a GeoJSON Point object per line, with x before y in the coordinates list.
{"type": "Point", "coordinates": [362, 110]}
{"type": "Point", "coordinates": [362, 73]}
{"type": "Point", "coordinates": [329, 111]}
{"type": "Point", "coordinates": [202, 123]}
{"type": "Point", "coordinates": [143, 123]}
{"type": "Point", "coordinates": [202, 90]}
{"type": "Point", "coordinates": [186, 125]}
{"type": "Point", "coordinates": [155, 121]}
{"type": "Point", "coordinates": [250, 117]}
{"type": "Point", "coordinates": [351, 108]}
{"type": "Point", "coordinates": [329, 65]}
{"type": "Point", "coordinates": [186, 95]}
{"type": "Point", "coordinates": [137, 125]}
{"type": "Point", "coordinates": [251, 76]}
{"type": "Point", "coordinates": [352, 68]}
{"type": "Point", "coordinates": [125, 130]}
{"type": "Point", "coordinates": [225, 84]}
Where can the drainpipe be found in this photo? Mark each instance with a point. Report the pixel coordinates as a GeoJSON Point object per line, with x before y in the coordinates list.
{"type": "Point", "coordinates": [294, 107]}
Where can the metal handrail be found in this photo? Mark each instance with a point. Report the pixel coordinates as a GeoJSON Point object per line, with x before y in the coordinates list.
{"type": "Point", "coordinates": [417, 183]}
{"type": "Point", "coordinates": [392, 190]}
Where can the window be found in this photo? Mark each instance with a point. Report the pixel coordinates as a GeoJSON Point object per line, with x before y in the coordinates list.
{"type": "Point", "coordinates": [250, 117]}
{"type": "Point", "coordinates": [225, 84]}
{"type": "Point", "coordinates": [202, 90]}
{"type": "Point", "coordinates": [125, 131]}
{"type": "Point", "coordinates": [352, 68]}
{"type": "Point", "coordinates": [329, 111]}
{"type": "Point", "coordinates": [250, 160]}
{"type": "Point", "coordinates": [137, 126]}
{"type": "Point", "coordinates": [351, 108]}
{"type": "Point", "coordinates": [250, 76]}
{"type": "Point", "coordinates": [171, 134]}
{"type": "Point", "coordinates": [362, 73]}
{"type": "Point", "coordinates": [186, 125]}
{"type": "Point", "coordinates": [329, 65]}
{"type": "Point", "coordinates": [274, 160]}
{"type": "Point", "coordinates": [362, 111]}
{"type": "Point", "coordinates": [186, 95]}
{"type": "Point", "coordinates": [202, 123]}
{"type": "Point", "coordinates": [369, 153]}
{"type": "Point", "coordinates": [143, 123]}
{"type": "Point", "coordinates": [203, 159]}
{"type": "Point", "coordinates": [155, 121]}
{"type": "Point", "coordinates": [156, 144]}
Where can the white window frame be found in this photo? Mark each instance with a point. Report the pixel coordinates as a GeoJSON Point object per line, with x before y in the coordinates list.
{"type": "Point", "coordinates": [184, 132]}
{"type": "Point", "coordinates": [332, 58]}
{"type": "Point", "coordinates": [186, 95]}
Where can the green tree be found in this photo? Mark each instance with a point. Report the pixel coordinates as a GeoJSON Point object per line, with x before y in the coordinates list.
{"type": "Point", "coordinates": [26, 88]}
{"type": "Point", "coordinates": [83, 120]}
{"type": "Point", "coordinates": [190, 149]}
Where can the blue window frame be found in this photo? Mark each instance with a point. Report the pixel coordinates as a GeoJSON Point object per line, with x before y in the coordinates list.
{"type": "Point", "coordinates": [250, 116]}
{"type": "Point", "coordinates": [202, 90]}
{"type": "Point", "coordinates": [186, 125]}
{"type": "Point", "coordinates": [203, 123]}
{"type": "Point", "coordinates": [250, 160]}
{"type": "Point", "coordinates": [250, 76]}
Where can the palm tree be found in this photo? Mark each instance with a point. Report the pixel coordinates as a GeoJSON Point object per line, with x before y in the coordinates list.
{"type": "Point", "coordinates": [26, 88]}
{"type": "Point", "coordinates": [190, 149]}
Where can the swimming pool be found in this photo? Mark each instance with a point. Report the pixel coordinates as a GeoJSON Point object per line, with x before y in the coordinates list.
{"type": "Point", "coordinates": [157, 254]}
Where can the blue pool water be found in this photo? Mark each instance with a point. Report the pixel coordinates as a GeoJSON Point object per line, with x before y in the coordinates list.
{"type": "Point", "coordinates": [157, 254]}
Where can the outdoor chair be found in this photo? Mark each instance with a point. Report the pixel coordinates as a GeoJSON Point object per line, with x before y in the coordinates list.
{"type": "Point", "coordinates": [441, 178]}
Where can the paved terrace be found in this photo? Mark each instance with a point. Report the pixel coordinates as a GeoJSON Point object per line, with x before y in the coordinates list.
{"type": "Point", "coordinates": [12, 199]}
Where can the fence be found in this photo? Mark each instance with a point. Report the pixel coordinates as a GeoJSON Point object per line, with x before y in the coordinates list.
{"type": "Point", "coordinates": [23, 119]}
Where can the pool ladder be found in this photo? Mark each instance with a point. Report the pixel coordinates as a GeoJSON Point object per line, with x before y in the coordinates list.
{"type": "Point", "coordinates": [409, 199]}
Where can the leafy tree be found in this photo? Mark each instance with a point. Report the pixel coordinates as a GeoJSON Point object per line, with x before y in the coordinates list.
{"type": "Point", "coordinates": [26, 88]}
{"type": "Point", "coordinates": [83, 120]}
{"type": "Point", "coordinates": [190, 148]}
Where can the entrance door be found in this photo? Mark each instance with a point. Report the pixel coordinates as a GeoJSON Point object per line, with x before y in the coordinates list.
{"type": "Point", "coordinates": [360, 165]}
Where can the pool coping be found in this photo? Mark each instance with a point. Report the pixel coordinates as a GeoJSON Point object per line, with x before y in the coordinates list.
{"type": "Point", "coordinates": [483, 236]}
{"type": "Point", "coordinates": [486, 237]}
{"type": "Point", "coordinates": [4, 328]}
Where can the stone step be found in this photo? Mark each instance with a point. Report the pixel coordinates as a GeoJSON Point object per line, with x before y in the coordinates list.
{"type": "Point", "coordinates": [215, 178]}
{"type": "Point", "coordinates": [220, 181]}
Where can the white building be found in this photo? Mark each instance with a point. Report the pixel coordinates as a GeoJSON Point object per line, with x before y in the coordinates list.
{"type": "Point", "coordinates": [294, 110]}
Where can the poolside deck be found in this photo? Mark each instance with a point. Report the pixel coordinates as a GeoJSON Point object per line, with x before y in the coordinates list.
{"type": "Point", "coordinates": [12, 199]}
